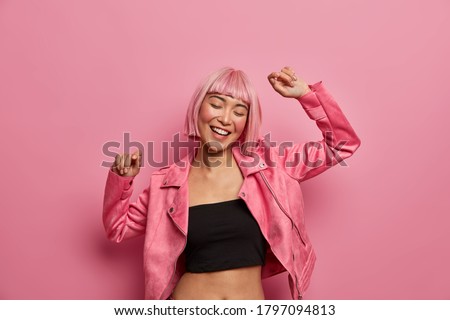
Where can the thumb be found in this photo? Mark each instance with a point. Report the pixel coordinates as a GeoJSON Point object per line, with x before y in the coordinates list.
{"type": "Point", "coordinates": [278, 86]}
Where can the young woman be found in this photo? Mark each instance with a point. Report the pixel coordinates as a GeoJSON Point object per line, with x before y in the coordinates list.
{"type": "Point", "coordinates": [230, 213]}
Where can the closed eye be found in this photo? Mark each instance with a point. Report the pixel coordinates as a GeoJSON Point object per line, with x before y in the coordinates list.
{"type": "Point", "coordinates": [214, 106]}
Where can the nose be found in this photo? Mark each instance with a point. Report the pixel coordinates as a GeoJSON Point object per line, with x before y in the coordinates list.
{"type": "Point", "coordinates": [225, 117]}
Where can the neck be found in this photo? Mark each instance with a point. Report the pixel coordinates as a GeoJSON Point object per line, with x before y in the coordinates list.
{"type": "Point", "coordinates": [209, 161]}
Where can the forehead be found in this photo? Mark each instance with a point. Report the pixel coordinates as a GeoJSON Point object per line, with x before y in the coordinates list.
{"type": "Point", "coordinates": [226, 98]}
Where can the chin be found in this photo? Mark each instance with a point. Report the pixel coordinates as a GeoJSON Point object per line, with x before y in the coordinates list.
{"type": "Point", "coordinates": [215, 146]}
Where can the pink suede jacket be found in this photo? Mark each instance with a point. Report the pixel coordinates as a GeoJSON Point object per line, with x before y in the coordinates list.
{"type": "Point", "coordinates": [271, 190]}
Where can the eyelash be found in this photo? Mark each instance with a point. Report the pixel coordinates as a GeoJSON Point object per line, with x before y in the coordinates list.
{"type": "Point", "coordinates": [236, 113]}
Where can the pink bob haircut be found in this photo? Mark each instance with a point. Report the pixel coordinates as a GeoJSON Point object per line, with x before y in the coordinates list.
{"type": "Point", "coordinates": [227, 81]}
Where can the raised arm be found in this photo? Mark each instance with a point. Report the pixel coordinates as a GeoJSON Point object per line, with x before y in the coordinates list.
{"type": "Point", "coordinates": [306, 160]}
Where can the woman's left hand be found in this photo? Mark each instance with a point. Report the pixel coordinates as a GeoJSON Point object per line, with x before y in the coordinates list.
{"type": "Point", "coordinates": [288, 84]}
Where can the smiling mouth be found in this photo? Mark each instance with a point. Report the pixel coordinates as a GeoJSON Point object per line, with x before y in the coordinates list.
{"type": "Point", "coordinates": [220, 131]}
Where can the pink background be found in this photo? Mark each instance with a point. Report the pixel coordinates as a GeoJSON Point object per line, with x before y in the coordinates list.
{"type": "Point", "coordinates": [74, 75]}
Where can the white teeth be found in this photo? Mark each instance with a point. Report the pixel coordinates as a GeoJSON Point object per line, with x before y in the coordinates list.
{"type": "Point", "coordinates": [220, 131]}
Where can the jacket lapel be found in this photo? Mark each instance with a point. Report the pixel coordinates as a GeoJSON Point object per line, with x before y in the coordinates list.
{"type": "Point", "coordinates": [177, 192]}
{"type": "Point", "coordinates": [176, 183]}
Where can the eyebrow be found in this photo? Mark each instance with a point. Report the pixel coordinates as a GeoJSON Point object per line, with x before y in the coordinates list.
{"type": "Point", "coordinates": [237, 105]}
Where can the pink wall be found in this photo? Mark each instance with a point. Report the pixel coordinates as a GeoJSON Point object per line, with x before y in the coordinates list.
{"type": "Point", "coordinates": [74, 75]}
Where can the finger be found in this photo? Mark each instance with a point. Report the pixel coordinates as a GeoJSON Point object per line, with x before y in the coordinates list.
{"type": "Point", "coordinates": [114, 165]}
{"type": "Point", "coordinates": [122, 163]}
{"type": "Point", "coordinates": [116, 161]}
{"type": "Point", "coordinates": [289, 71]}
{"type": "Point", "coordinates": [127, 162]}
{"type": "Point", "coordinates": [286, 79]}
{"type": "Point", "coordinates": [136, 159]}
{"type": "Point", "coordinates": [136, 154]}
{"type": "Point", "coordinates": [280, 87]}
{"type": "Point", "coordinates": [272, 77]}
{"type": "Point", "coordinates": [272, 81]}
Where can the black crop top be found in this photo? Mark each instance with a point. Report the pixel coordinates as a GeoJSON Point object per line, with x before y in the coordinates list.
{"type": "Point", "coordinates": [223, 235]}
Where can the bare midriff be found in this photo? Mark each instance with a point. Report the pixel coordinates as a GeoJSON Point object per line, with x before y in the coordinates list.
{"type": "Point", "coordinates": [234, 284]}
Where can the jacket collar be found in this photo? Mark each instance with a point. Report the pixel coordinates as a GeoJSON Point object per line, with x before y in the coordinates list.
{"type": "Point", "coordinates": [178, 172]}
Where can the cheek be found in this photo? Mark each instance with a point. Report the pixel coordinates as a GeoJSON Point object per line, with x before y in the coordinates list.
{"type": "Point", "coordinates": [206, 114]}
{"type": "Point", "coordinates": [240, 125]}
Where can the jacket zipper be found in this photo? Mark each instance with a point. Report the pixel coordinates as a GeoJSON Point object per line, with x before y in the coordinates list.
{"type": "Point", "coordinates": [298, 233]}
{"type": "Point", "coordinates": [293, 226]}
{"type": "Point", "coordinates": [282, 209]}
{"type": "Point", "coordinates": [184, 246]}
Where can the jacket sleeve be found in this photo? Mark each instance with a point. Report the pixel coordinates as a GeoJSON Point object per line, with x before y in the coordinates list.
{"type": "Point", "coordinates": [306, 160]}
{"type": "Point", "coordinates": [121, 219]}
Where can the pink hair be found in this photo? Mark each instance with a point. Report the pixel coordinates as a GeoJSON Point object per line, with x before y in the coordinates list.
{"type": "Point", "coordinates": [231, 82]}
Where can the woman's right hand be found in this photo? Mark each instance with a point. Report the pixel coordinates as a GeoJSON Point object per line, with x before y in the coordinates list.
{"type": "Point", "coordinates": [127, 165]}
